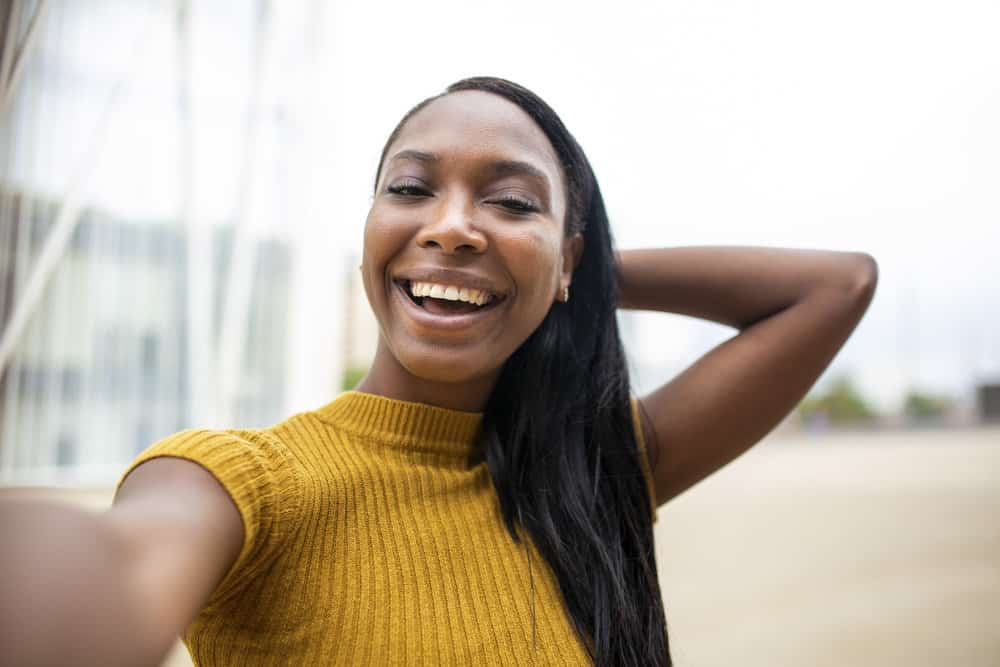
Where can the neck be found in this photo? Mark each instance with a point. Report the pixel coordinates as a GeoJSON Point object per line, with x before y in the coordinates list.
{"type": "Point", "coordinates": [389, 378]}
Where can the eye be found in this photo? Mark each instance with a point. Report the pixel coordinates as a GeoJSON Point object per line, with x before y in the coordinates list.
{"type": "Point", "coordinates": [516, 204]}
{"type": "Point", "coordinates": [408, 187]}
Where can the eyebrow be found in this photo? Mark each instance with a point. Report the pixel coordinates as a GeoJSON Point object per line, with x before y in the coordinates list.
{"type": "Point", "coordinates": [519, 168]}
{"type": "Point", "coordinates": [419, 156]}
{"type": "Point", "coordinates": [500, 167]}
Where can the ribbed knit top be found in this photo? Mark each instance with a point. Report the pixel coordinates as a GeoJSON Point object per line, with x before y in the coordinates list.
{"type": "Point", "coordinates": [370, 538]}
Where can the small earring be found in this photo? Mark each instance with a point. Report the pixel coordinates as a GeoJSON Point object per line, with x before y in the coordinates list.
{"type": "Point", "coordinates": [565, 294]}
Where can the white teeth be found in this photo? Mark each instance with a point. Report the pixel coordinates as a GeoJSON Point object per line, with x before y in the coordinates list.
{"type": "Point", "coordinates": [450, 293]}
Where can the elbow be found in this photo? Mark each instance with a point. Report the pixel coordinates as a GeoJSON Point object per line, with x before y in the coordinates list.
{"type": "Point", "coordinates": [850, 283]}
{"type": "Point", "coordinates": [866, 278]}
{"type": "Point", "coordinates": [861, 277]}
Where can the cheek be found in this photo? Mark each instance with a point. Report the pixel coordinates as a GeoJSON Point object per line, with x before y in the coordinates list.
{"type": "Point", "coordinates": [383, 238]}
{"type": "Point", "coordinates": [535, 260]}
{"type": "Point", "coordinates": [382, 241]}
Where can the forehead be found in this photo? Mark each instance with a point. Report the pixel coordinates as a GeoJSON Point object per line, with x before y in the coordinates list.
{"type": "Point", "coordinates": [471, 124]}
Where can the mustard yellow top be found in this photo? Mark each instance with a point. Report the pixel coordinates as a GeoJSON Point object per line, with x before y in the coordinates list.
{"type": "Point", "coordinates": [370, 540]}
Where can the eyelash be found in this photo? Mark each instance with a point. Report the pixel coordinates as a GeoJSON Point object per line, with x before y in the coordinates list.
{"type": "Point", "coordinates": [407, 189]}
{"type": "Point", "coordinates": [516, 204]}
{"type": "Point", "coordinates": [513, 203]}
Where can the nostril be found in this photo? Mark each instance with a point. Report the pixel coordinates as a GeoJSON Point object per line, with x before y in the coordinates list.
{"type": "Point", "coordinates": [460, 247]}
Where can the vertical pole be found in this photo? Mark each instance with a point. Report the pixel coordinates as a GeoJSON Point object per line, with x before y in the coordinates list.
{"type": "Point", "coordinates": [10, 16]}
{"type": "Point", "coordinates": [239, 278]}
{"type": "Point", "coordinates": [199, 382]}
{"type": "Point", "coordinates": [314, 353]}
{"type": "Point", "coordinates": [13, 61]}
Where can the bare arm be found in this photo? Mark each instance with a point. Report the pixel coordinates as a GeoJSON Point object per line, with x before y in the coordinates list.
{"type": "Point", "coordinates": [794, 310]}
{"type": "Point", "coordinates": [115, 588]}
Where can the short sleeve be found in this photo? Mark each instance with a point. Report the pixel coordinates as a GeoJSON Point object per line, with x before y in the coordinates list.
{"type": "Point", "coordinates": [647, 472]}
{"type": "Point", "coordinates": [257, 474]}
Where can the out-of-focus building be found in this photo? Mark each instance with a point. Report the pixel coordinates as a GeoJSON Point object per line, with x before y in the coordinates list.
{"type": "Point", "coordinates": [988, 402]}
{"type": "Point", "coordinates": [163, 216]}
{"type": "Point", "coordinates": [93, 382]}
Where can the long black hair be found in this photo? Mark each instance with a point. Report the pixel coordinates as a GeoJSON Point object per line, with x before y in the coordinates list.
{"type": "Point", "coordinates": [557, 431]}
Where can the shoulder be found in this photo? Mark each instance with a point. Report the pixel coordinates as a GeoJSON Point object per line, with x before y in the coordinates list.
{"type": "Point", "coordinates": [249, 470]}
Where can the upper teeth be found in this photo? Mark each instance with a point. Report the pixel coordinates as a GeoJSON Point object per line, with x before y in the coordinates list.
{"type": "Point", "coordinates": [451, 293]}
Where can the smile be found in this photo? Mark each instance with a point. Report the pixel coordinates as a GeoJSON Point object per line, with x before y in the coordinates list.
{"type": "Point", "coordinates": [450, 306]}
{"type": "Point", "coordinates": [436, 291]}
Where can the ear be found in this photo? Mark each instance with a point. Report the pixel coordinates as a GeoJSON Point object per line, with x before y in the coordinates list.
{"type": "Point", "coordinates": [572, 251]}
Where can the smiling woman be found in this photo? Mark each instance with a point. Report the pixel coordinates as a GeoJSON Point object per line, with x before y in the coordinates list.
{"type": "Point", "coordinates": [483, 188]}
{"type": "Point", "coordinates": [486, 494]}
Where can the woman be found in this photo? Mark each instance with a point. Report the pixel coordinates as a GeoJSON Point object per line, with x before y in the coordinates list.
{"type": "Point", "coordinates": [486, 495]}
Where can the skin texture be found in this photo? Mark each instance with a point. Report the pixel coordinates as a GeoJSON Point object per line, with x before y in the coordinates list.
{"type": "Point", "coordinates": [457, 205]}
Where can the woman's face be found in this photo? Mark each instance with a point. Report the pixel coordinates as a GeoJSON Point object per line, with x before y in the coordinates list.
{"type": "Point", "coordinates": [464, 244]}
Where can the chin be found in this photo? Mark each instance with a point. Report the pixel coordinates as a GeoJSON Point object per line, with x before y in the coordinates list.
{"type": "Point", "coordinates": [447, 367]}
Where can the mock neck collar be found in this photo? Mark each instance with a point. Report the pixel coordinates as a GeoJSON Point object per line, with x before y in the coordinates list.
{"type": "Point", "coordinates": [403, 423]}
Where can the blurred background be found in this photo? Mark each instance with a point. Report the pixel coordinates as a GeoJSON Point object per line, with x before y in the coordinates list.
{"type": "Point", "coordinates": [183, 187]}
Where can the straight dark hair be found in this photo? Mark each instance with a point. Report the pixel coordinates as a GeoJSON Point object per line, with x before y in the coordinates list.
{"type": "Point", "coordinates": [557, 431]}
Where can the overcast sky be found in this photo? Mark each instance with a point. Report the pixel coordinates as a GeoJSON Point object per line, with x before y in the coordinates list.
{"type": "Point", "coordinates": [858, 125]}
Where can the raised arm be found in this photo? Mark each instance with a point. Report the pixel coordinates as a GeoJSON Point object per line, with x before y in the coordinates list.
{"type": "Point", "coordinates": [794, 310]}
{"type": "Point", "coordinates": [80, 588]}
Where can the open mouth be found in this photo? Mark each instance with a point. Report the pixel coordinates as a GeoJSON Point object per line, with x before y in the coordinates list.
{"type": "Point", "coordinates": [443, 299]}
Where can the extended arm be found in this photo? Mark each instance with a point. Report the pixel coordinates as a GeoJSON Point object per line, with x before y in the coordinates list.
{"type": "Point", "coordinates": [81, 588]}
{"type": "Point", "coordinates": [794, 310]}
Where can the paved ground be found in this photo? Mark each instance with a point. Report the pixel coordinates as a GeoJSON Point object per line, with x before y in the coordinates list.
{"type": "Point", "coordinates": [841, 550]}
{"type": "Point", "coordinates": [844, 549]}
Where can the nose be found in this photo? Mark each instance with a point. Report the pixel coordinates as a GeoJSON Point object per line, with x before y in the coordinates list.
{"type": "Point", "coordinates": [452, 230]}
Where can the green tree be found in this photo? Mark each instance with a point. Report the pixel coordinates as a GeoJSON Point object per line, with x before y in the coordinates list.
{"type": "Point", "coordinates": [352, 376]}
{"type": "Point", "coordinates": [840, 404]}
{"type": "Point", "coordinates": [920, 405]}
